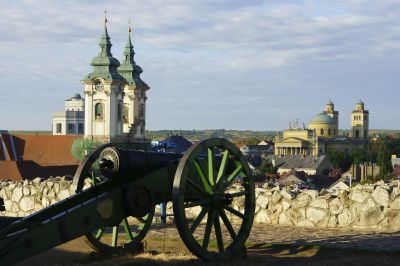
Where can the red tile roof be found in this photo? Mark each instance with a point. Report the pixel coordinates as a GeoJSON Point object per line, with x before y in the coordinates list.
{"type": "Point", "coordinates": [36, 156]}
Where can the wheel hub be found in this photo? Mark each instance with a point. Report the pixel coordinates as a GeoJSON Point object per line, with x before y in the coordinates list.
{"type": "Point", "coordinates": [221, 199]}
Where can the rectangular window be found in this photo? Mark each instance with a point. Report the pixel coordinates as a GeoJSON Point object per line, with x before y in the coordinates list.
{"type": "Point", "coordinates": [80, 128]}
{"type": "Point", "coordinates": [58, 128]}
{"type": "Point", "coordinates": [71, 129]}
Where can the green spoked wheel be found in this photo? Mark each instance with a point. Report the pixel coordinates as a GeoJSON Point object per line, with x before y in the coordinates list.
{"type": "Point", "coordinates": [123, 237]}
{"type": "Point", "coordinates": [211, 177]}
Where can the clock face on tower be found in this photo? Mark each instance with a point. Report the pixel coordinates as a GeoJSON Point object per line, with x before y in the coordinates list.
{"type": "Point", "coordinates": [98, 86]}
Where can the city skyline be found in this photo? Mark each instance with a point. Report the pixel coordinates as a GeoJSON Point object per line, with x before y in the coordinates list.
{"type": "Point", "coordinates": [228, 64]}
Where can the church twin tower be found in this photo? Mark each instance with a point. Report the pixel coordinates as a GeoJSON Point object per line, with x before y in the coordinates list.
{"type": "Point", "coordinates": [115, 95]}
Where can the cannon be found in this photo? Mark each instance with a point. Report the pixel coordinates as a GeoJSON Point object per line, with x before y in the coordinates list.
{"type": "Point", "coordinates": [116, 211]}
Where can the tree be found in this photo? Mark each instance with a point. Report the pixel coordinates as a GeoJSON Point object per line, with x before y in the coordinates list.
{"type": "Point", "coordinates": [383, 159]}
{"type": "Point", "coordinates": [266, 167]}
{"type": "Point", "coordinates": [81, 147]}
{"type": "Point", "coordinates": [340, 160]}
{"type": "Point", "coordinates": [359, 156]}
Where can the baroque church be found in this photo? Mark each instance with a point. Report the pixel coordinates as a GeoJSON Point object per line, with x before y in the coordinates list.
{"type": "Point", "coordinates": [322, 134]}
{"type": "Point", "coordinates": [114, 108]}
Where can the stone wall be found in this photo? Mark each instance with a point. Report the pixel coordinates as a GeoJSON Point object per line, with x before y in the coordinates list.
{"type": "Point", "coordinates": [366, 207]}
{"type": "Point", "coordinates": [22, 198]}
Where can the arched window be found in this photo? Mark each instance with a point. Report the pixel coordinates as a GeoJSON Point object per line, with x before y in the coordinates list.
{"type": "Point", "coordinates": [365, 134]}
{"type": "Point", "coordinates": [99, 111]}
{"type": "Point", "coordinates": [126, 114]}
{"type": "Point", "coordinates": [119, 111]}
{"type": "Point", "coordinates": [322, 131]}
{"type": "Point", "coordinates": [357, 133]}
{"type": "Point", "coordinates": [329, 131]}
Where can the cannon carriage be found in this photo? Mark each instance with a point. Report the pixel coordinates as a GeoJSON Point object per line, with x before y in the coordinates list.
{"type": "Point", "coordinates": [117, 210]}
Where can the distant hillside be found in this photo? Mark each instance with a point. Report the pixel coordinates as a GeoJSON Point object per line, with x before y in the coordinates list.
{"type": "Point", "coordinates": [234, 135]}
{"type": "Point", "coordinates": [30, 132]}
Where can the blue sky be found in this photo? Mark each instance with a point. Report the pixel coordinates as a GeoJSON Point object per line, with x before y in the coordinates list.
{"type": "Point", "coordinates": [210, 64]}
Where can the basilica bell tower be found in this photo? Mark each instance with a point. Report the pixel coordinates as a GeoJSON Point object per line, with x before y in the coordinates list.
{"type": "Point", "coordinates": [360, 122]}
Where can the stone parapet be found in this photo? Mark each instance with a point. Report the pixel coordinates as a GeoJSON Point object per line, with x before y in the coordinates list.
{"type": "Point", "coordinates": [364, 207]}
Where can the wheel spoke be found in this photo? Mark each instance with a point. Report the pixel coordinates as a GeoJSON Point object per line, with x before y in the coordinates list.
{"type": "Point", "coordinates": [114, 236]}
{"type": "Point", "coordinates": [228, 224]}
{"type": "Point", "coordinates": [99, 233]}
{"type": "Point", "coordinates": [234, 174]}
{"type": "Point", "coordinates": [202, 177]}
{"type": "Point", "coordinates": [190, 181]}
{"type": "Point", "coordinates": [94, 181]}
{"type": "Point", "coordinates": [198, 219]}
{"type": "Point", "coordinates": [140, 219]}
{"type": "Point", "coordinates": [235, 212]}
{"type": "Point", "coordinates": [211, 166]}
{"type": "Point", "coordinates": [127, 229]}
{"type": "Point", "coordinates": [238, 194]}
{"type": "Point", "coordinates": [223, 165]}
{"type": "Point", "coordinates": [195, 203]}
{"type": "Point", "coordinates": [207, 233]}
{"type": "Point", "coordinates": [218, 234]}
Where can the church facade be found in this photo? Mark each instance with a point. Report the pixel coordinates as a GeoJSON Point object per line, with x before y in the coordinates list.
{"type": "Point", "coordinates": [114, 104]}
{"type": "Point", "coordinates": [322, 134]}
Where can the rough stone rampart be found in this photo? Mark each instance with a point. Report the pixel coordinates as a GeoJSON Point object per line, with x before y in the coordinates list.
{"type": "Point", "coordinates": [365, 207]}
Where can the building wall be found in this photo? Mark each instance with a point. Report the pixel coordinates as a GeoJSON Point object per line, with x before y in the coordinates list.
{"type": "Point", "coordinates": [329, 130]}
{"type": "Point", "coordinates": [107, 127]}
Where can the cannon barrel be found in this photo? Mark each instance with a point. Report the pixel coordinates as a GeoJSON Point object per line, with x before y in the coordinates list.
{"type": "Point", "coordinates": [115, 162]}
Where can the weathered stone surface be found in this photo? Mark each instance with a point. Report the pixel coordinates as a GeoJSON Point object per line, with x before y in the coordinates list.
{"type": "Point", "coordinates": [370, 217]}
{"type": "Point", "coordinates": [369, 204]}
{"type": "Point", "coordinates": [276, 197]}
{"type": "Point", "coordinates": [332, 222]}
{"type": "Point", "coordinates": [262, 217]}
{"type": "Point", "coordinates": [284, 218]}
{"type": "Point", "coordinates": [305, 223]}
{"type": "Point", "coordinates": [287, 194]}
{"type": "Point", "coordinates": [27, 203]}
{"type": "Point", "coordinates": [45, 201]}
{"type": "Point", "coordinates": [262, 201]}
{"type": "Point", "coordinates": [277, 209]}
{"type": "Point", "coordinates": [26, 191]}
{"type": "Point", "coordinates": [395, 192]}
{"type": "Point", "coordinates": [335, 206]}
{"type": "Point", "coordinates": [8, 205]}
{"type": "Point", "coordinates": [285, 205]}
{"type": "Point", "coordinates": [344, 218]}
{"type": "Point", "coordinates": [319, 203]}
{"type": "Point", "coordinates": [37, 180]}
{"type": "Point", "coordinates": [358, 195]}
{"type": "Point", "coordinates": [395, 204]}
{"type": "Point", "coordinates": [17, 194]}
{"type": "Point", "coordinates": [302, 200]}
{"type": "Point", "coordinates": [312, 193]}
{"type": "Point", "coordinates": [381, 196]}
{"type": "Point", "coordinates": [315, 215]}
{"type": "Point", "coordinates": [63, 194]}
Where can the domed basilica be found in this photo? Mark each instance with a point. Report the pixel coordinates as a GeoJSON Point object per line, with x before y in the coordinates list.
{"type": "Point", "coordinates": [322, 134]}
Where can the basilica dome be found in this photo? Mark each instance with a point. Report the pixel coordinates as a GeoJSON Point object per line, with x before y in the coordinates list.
{"type": "Point", "coordinates": [322, 118]}
{"type": "Point", "coordinates": [324, 125]}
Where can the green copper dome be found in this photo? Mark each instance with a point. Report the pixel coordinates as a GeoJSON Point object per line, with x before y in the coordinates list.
{"type": "Point", "coordinates": [322, 118]}
{"type": "Point", "coordinates": [104, 64]}
{"type": "Point", "coordinates": [129, 69]}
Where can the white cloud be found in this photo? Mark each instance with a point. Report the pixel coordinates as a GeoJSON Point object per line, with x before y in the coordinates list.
{"type": "Point", "coordinates": [220, 61]}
